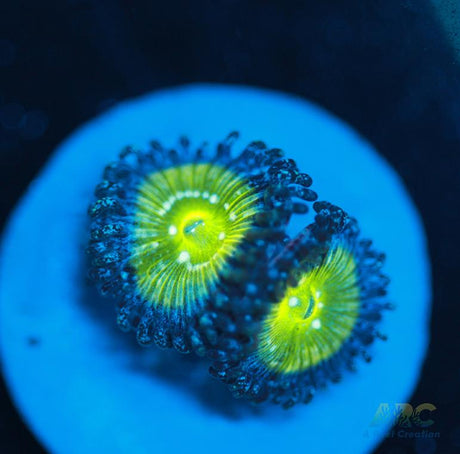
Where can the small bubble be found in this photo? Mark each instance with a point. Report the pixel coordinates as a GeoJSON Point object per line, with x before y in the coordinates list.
{"type": "Point", "coordinates": [316, 324]}
{"type": "Point", "coordinates": [184, 256]}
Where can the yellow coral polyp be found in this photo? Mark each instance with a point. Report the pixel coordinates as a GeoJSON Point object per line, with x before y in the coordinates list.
{"type": "Point", "coordinates": [189, 220]}
{"type": "Point", "coordinates": [314, 319]}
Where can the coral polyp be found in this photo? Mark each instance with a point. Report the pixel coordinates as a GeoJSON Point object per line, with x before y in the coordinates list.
{"type": "Point", "coordinates": [332, 299]}
{"type": "Point", "coordinates": [168, 226]}
{"type": "Point", "coordinates": [189, 221]}
{"type": "Point", "coordinates": [315, 318]}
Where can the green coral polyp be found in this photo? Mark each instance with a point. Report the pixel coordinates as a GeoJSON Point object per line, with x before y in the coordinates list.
{"type": "Point", "coordinates": [331, 297]}
{"type": "Point", "coordinates": [315, 318]}
{"type": "Point", "coordinates": [174, 229]}
{"type": "Point", "coordinates": [189, 220]}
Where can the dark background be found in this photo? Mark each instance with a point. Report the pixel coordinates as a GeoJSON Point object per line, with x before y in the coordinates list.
{"type": "Point", "coordinates": [384, 66]}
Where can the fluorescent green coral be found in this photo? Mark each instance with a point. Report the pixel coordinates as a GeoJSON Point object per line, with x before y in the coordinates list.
{"type": "Point", "coordinates": [189, 220]}
{"type": "Point", "coordinates": [315, 318]}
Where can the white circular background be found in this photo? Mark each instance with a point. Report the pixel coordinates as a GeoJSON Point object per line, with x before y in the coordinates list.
{"type": "Point", "coordinates": [84, 387]}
